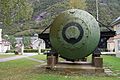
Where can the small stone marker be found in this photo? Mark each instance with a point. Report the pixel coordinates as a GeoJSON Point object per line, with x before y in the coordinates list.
{"type": "Point", "coordinates": [51, 61]}
{"type": "Point", "coordinates": [19, 48]}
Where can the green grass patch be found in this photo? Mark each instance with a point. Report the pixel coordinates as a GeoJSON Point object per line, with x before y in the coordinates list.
{"type": "Point", "coordinates": [25, 69]}
{"type": "Point", "coordinates": [64, 77]}
{"type": "Point", "coordinates": [112, 62]}
{"type": "Point", "coordinates": [16, 69]}
{"type": "Point", "coordinates": [39, 57]}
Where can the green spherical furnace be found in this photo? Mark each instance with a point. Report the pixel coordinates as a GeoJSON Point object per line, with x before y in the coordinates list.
{"type": "Point", "coordinates": [74, 34]}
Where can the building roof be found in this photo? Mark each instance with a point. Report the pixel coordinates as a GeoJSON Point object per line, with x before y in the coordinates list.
{"type": "Point", "coordinates": [110, 40]}
{"type": "Point", "coordinates": [117, 36]}
{"type": "Point", "coordinates": [102, 29]}
{"type": "Point", "coordinates": [5, 42]}
{"type": "Point", "coordinates": [116, 21]}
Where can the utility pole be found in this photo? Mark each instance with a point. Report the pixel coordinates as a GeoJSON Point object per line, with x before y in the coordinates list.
{"type": "Point", "coordinates": [97, 12]}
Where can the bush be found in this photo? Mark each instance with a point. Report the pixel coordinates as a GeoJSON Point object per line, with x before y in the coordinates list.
{"type": "Point", "coordinates": [30, 51]}
{"type": "Point", "coordinates": [25, 50]}
{"type": "Point", "coordinates": [10, 51]}
{"type": "Point", "coordinates": [44, 50]}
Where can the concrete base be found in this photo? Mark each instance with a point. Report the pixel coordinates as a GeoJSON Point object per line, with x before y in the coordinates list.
{"type": "Point", "coordinates": [118, 54]}
{"type": "Point", "coordinates": [51, 61]}
{"type": "Point", "coordinates": [96, 66]}
{"type": "Point", "coordinates": [98, 62]}
{"type": "Point", "coordinates": [83, 67]}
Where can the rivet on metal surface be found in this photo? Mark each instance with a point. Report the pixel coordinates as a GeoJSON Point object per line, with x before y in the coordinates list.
{"type": "Point", "coordinates": [86, 28]}
{"type": "Point", "coordinates": [82, 21]}
{"type": "Point", "coordinates": [72, 12]}
{"type": "Point", "coordinates": [83, 43]}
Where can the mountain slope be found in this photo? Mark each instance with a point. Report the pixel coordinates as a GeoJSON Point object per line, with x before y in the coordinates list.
{"type": "Point", "coordinates": [46, 10]}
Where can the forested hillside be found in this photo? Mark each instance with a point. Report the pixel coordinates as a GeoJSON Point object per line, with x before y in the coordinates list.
{"type": "Point", "coordinates": [44, 11]}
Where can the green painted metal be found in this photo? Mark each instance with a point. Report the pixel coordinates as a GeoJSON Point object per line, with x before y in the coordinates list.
{"type": "Point", "coordinates": [74, 34]}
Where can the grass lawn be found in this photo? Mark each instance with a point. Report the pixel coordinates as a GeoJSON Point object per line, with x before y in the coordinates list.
{"type": "Point", "coordinates": [81, 77]}
{"type": "Point", "coordinates": [39, 57]}
{"type": "Point", "coordinates": [112, 63]}
{"type": "Point", "coordinates": [24, 69]}
{"type": "Point", "coordinates": [43, 57]}
{"type": "Point", "coordinates": [16, 69]}
{"type": "Point", "coordinates": [6, 55]}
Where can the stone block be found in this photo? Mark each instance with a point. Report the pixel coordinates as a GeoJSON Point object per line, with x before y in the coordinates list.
{"type": "Point", "coordinates": [98, 62]}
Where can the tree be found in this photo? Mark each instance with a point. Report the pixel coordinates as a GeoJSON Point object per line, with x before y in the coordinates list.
{"type": "Point", "coordinates": [15, 11]}
{"type": "Point", "coordinates": [26, 41]}
{"type": "Point", "coordinates": [11, 39]}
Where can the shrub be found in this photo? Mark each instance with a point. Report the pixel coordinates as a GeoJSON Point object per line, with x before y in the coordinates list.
{"type": "Point", "coordinates": [25, 51]}
{"type": "Point", "coordinates": [30, 50]}
{"type": "Point", "coordinates": [10, 51]}
{"type": "Point", "coordinates": [44, 50]}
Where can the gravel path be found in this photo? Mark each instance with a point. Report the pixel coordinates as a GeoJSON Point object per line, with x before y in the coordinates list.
{"type": "Point", "coordinates": [17, 57]}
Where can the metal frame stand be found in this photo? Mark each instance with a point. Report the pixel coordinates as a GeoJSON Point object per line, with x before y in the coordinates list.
{"type": "Point", "coordinates": [52, 59]}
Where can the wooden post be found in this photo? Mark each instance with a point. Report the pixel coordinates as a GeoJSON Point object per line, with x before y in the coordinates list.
{"type": "Point", "coordinates": [98, 62]}
{"type": "Point", "coordinates": [56, 58]}
{"type": "Point", "coordinates": [51, 61]}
